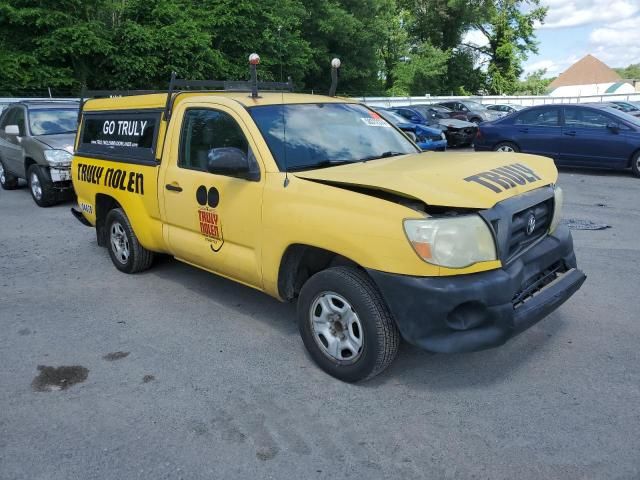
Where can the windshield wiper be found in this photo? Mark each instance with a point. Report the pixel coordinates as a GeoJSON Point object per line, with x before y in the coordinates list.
{"type": "Point", "coordinates": [383, 155]}
{"type": "Point", "coordinates": [322, 164]}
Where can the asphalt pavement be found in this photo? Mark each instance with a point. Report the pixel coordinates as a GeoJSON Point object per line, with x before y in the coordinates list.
{"type": "Point", "coordinates": [176, 373]}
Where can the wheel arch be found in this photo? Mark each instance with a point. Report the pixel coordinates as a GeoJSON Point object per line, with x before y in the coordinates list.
{"type": "Point", "coordinates": [300, 261]}
{"type": "Point", "coordinates": [632, 157]}
{"type": "Point", "coordinates": [103, 205]}
{"type": "Point", "coordinates": [511, 142]}
{"type": "Point", "coordinates": [28, 161]}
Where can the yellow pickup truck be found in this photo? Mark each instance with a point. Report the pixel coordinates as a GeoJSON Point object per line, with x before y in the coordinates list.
{"type": "Point", "coordinates": [319, 200]}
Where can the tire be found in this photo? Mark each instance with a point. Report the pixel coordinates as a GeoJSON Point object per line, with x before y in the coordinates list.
{"type": "Point", "coordinates": [7, 181]}
{"type": "Point", "coordinates": [363, 345]}
{"type": "Point", "coordinates": [41, 186]}
{"type": "Point", "coordinates": [635, 164]}
{"type": "Point", "coordinates": [475, 120]}
{"type": "Point", "coordinates": [507, 147]}
{"type": "Point", "coordinates": [125, 250]}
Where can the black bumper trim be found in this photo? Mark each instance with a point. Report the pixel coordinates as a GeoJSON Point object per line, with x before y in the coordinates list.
{"type": "Point", "coordinates": [465, 313]}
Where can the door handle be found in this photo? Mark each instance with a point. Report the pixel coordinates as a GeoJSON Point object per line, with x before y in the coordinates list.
{"type": "Point", "coordinates": [173, 187]}
{"type": "Point", "coordinates": [524, 130]}
{"type": "Point", "coordinates": [571, 134]}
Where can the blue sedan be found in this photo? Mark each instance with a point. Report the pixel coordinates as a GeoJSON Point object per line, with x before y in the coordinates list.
{"type": "Point", "coordinates": [427, 138]}
{"type": "Point", "coordinates": [573, 135]}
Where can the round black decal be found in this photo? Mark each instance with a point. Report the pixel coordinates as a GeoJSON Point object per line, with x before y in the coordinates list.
{"type": "Point", "coordinates": [214, 197]}
{"type": "Point", "coordinates": [201, 195]}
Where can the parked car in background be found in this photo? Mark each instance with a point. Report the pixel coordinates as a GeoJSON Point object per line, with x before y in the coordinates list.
{"type": "Point", "coordinates": [459, 133]}
{"type": "Point", "coordinates": [443, 112]}
{"type": "Point", "coordinates": [505, 108]}
{"type": "Point", "coordinates": [626, 107]}
{"type": "Point", "coordinates": [36, 144]}
{"type": "Point", "coordinates": [426, 137]}
{"type": "Point", "coordinates": [574, 134]}
{"type": "Point", "coordinates": [475, 111]}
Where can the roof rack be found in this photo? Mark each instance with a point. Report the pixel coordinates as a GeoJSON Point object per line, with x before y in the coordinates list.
{"type": "Point", "coordinates": [48, 100]}
{"type": "Point", "coordinates": [179, 85]}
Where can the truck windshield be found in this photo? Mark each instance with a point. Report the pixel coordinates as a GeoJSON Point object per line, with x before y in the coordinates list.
{"type": "Point", "coordinates": [53, 121]}
{"type": "Point", "coordinates": [306, 136]}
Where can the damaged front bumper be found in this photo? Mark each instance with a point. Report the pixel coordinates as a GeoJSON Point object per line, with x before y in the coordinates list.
{"type": "Point", "coordinates": [466, 313]}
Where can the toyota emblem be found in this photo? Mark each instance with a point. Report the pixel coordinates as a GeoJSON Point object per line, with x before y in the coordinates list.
{"type": "Point", "coordinates": [531, 224]}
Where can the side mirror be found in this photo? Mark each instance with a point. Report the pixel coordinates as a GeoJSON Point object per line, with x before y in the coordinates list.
{"type": "Point", "coordinates": [230, 161]}
{"type": "Point", "coordinates": [12, 130]}
{"type": "Point", "coordinates": [614, 127]}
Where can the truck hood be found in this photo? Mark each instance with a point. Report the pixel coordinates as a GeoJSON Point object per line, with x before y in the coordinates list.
{"type": "Point", "coordinates": [64, 141]}
{"type": "Point", "coordinates": [461, 180]}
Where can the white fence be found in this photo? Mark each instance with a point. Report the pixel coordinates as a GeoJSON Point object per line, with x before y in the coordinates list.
{"type": "Point", "coordinates": [519, 100]}
{"type": "Point", "coordinates": [399, 101]}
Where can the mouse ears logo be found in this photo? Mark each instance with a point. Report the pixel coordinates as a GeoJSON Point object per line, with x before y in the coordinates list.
{"type": "Point", "coordinates": [209, 221]}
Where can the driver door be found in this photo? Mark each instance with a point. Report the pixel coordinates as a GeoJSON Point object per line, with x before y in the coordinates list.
{"type": "Point", "coordinates": [10, 145]}
{"type": "Point", "coordinates": [212, 221]}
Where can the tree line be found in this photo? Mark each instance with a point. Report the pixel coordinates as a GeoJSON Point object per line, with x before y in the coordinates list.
{"type": "Point", "coordinates": [387, 47]}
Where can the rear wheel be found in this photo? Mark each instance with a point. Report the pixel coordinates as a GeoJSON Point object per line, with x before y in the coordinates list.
{"type": "Point", "coordinates": [124, 248]}
{"type": "Point", "coordinates": [635, 164]}
{"type": "Point", "coordinates": [41, 186]}
{"type": "Point", "coordinates": [7, 181]}
{"type": "Point", "coordinates": [506, 147]}
{"type": "Point", "coordinates": [345, 324]}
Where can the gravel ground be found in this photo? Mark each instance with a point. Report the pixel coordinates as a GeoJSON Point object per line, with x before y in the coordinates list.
{"type": "Point", "coordinates": [181, 374]}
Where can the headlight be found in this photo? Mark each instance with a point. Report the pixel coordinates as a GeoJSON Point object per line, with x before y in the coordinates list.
{"type": "Point", "coordinates": [454, 242]}
{"type": "Point", "coordinates": [443, 136]}
{"type": "Point", "coordinates": [558, 201]}
{"type": "Point", "coordinates": [58, 158]}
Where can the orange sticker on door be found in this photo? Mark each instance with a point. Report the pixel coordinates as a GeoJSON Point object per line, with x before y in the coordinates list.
{"type": "Point", "coordinates": [211, 228]}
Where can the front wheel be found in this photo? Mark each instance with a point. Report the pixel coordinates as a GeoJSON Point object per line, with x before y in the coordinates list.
{"type": "Point", "coordinates": [345, 324]}
{"type": "Point", "coordinates": [506, 147]}
{"type": "Point", "coordinates": [635, 164]}
{"type": "Point", "coordinates": [41, 186]}
{"type": "Point", "coordinates": [124, 248]}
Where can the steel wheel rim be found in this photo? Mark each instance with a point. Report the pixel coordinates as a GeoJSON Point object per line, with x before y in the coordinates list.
{"type": "Point", "coordinates": [2, 179]}
{"type": "Point", "coordinates": [119, 243]}
{"type": "Point", "coordinates": [505, 148]}
{"type": "Point", "coordinates": [336, 328]}
{"type": "Point", "coordinates": [36, 188]}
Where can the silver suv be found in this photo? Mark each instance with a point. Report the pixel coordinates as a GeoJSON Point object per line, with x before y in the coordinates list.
{"type": "Point", "coordinates": [36, 144]}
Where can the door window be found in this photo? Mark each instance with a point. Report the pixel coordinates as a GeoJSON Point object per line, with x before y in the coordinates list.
{"type": "Point", "coordinates": [405, 113]}
{"type": "Point", "coordinates": [204, 130]}
{"type": "Point", "coordinates": [585, 118]}
{"type": "Point", "coordinates": [18, 119]}
{"type": "Point", "coordinates": [545, 117]}
{"type": "Point", "coordinates": [5, 118]}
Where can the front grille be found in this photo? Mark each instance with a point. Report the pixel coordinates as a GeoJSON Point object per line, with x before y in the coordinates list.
{"type": "Point", "coordinates": [469, 130]}
{"type": "Point", "coordinates": [508, 220]}
{"type": "Point", "coordinates": [520, 238]}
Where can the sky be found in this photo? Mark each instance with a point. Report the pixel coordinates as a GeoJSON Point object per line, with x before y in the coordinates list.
{"type": "Point", "coordinates": [607, 29]}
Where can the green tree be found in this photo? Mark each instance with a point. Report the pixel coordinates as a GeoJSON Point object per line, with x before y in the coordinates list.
{"type": "Point", "coordinates": [534, 83]}
{"type": "Point", "coordinates": [352, 30]}
{"type": "Point", "coordinates": [631, 72]}
{"type": "Point", "coordinates": [421, 71]}
{"type": "Point", "coordinates": [508, 26]}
